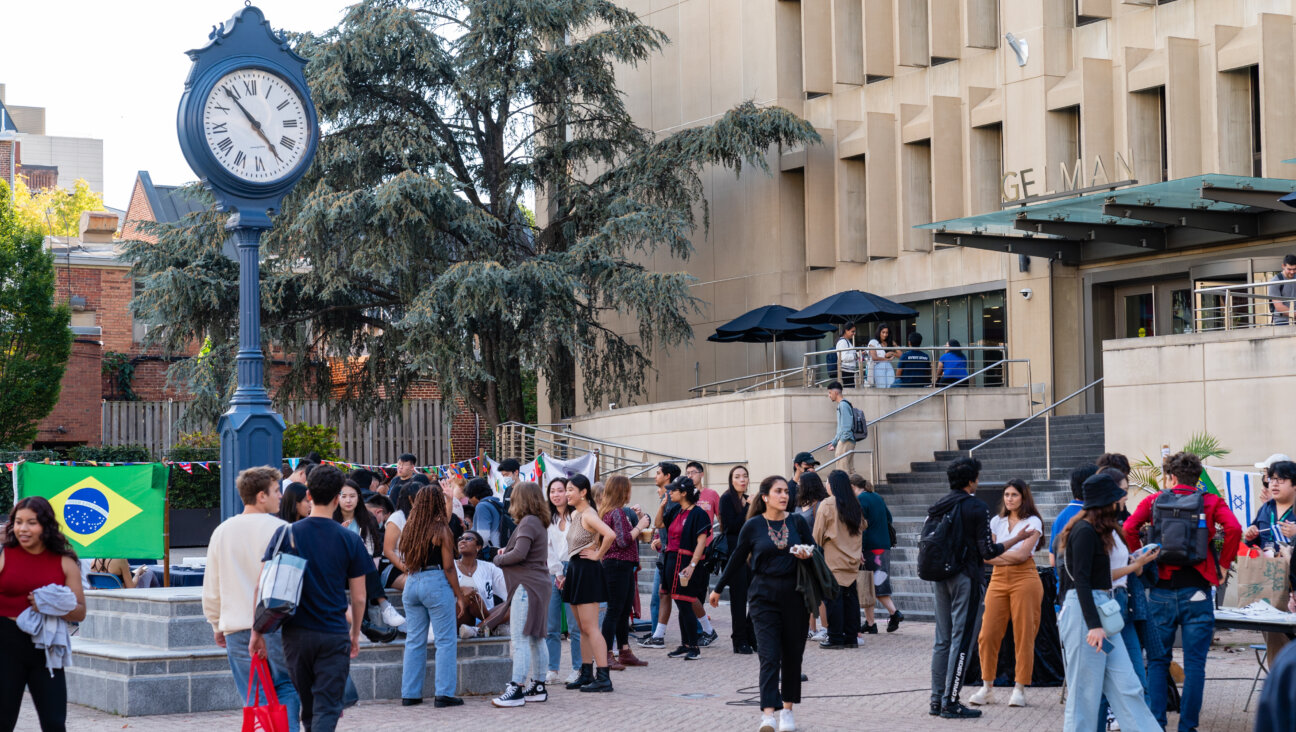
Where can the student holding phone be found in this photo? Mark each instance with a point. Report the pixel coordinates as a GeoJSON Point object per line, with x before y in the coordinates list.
{"type": "Point", "coordinates": [1096, 667]}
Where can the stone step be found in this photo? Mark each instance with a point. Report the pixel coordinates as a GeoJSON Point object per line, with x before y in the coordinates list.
{"type": "Point", "coordinates": [163, 672]}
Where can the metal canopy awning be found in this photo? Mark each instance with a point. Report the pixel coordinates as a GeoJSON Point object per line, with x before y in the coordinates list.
{"type": "Point", "coordinates": [1188, 212]}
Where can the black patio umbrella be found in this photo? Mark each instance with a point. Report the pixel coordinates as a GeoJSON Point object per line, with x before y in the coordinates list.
{"type": "Point", "coordinates": [767, 324]}
{"type": "Point", "coordinates": [771, 321]}
{"type": "Point", "coordinates": [852, 306]}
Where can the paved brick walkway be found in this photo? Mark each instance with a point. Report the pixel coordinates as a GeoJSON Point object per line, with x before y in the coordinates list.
{"type": "Point", "coordinates": [883, 685]}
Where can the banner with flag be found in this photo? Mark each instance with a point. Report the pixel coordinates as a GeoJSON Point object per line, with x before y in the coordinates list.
{"type": "Point", "coordinates": [1241, 491]}
{"type": "Point", "coordinates": [546, 467]}
{"type": "Point", "coordinates": [109, 512]}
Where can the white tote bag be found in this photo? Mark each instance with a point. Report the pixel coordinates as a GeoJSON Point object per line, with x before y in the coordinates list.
{"type": "Point", "coordinates": [280, 586]}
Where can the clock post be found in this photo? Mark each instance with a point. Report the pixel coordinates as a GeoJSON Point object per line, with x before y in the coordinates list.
{"type": "Point", "coordinates": [248, 127]}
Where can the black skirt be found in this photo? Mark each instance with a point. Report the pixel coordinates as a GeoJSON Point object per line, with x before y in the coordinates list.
{"type": "Point", "coordinates": [584, 583]}
{"type": "Point", "coordinates": [697, 584]}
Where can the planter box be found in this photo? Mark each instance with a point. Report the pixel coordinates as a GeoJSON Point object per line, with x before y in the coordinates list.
{"type": "Point", "coordinates": [193, 526]}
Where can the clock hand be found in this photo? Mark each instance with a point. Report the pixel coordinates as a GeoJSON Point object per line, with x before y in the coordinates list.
{"type": "Point", "coordinates": [256, 126]}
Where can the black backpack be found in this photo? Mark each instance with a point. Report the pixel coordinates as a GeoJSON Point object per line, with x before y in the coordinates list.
{"type": "Point", "coordinates": [1179, 526]}
{"type": "Point", "coordinates": [940, 546]}
{"type": "Point", "coordinates": [859, 423]}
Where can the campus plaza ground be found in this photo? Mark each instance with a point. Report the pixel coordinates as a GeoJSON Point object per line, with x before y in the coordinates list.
{"type": "Point", "coordinates": [884, 685]}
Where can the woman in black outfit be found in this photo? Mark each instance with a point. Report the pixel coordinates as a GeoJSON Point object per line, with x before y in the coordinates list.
{"type": "Point", "coordinates": [776, 608]}
{"type": "Point", "coordinates": [733, 513]}
{"type": "Point", "coordinates": [687, 537]}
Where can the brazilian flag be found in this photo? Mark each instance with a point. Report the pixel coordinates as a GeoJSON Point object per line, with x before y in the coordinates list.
{"type": "Point", "coordinates": [114, 512]}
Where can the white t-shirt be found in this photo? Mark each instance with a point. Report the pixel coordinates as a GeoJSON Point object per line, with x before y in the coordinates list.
{"type": "Point", "coordinates": [488, 579]}
{"type": "Point", "coordinates": [879, 353]}
{"type": "Point", "coordinates": [999, 527]}
{"type": "Point", "coordinates": [1120, 556]}
{"type": "Point", "coordinates": [846, 355]}
{"type": "Point", "coordinates": [397, 519]}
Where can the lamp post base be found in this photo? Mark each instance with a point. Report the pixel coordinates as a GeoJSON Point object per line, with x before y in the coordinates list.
{"type": "Point", "coordinates": [251, 436]}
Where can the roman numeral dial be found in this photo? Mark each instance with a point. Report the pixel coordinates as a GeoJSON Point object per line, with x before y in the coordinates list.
{"type": "Point", "coordinates": [256, 125]}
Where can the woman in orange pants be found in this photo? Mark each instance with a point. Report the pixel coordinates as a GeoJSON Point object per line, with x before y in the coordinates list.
{"type": "Point", "coordinates": [1015, 593]}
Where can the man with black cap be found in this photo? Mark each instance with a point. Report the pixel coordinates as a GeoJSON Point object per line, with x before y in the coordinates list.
{"type": "Point", "coordinates": [959, 596]}
{"type": "Point", "coordinates": [803, 462]}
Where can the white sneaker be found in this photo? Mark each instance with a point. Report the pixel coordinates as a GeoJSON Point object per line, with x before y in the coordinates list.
{"type": "Point", "coordinates": [766, 724]}
{"type": "Point", "coordinates": [551, 678]}
{"type": "Point", "coordinates": [467, 631]}
{"type": "Point", "coordinates": [391, 617]}
{"type": "Point", "coordinates": [1018, 698]}
{"type": "Point", "coordinates": [820, 635]}
{"type": "Point", "coordinates": [787, 723]}
{"type": "Point", "coordinates": [575, 674]}
{"type": "Point", "coordinates": [984, 695]}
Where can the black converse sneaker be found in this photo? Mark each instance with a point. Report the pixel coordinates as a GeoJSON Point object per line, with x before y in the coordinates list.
{"type": "Point", "coordinates": [680, 652]}
{"type": "Point", "coordinates": [513, 696]}
{"type": "Point", "coordinates": [653, 641]}
{"type": "Point", "coordinates": [536, 692]}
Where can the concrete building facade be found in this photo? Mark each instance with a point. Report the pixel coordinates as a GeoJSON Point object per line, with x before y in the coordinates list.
{"type": "Point", "coordinates": [48, 160]}
{"type": "Point", "coordinates": [928, 113]}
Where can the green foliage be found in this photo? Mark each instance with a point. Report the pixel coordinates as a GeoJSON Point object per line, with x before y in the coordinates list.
{"type": "Point", "coordinates": [406, 243]}
{"type": "Point", "coordinates": [301, 439]}
{"type": "Point", "coordinates": [530, 398]}
{"type": "Point", "coordinates": [1146, 473]}
{"type": "Point", "coordinates": [35, 341]}
{"type": "Point", "coordinates": [12, 454]}
{"type": "Point", "coordinates": [199, 490]}
{"type": "Point", "coordinates": [55, 211]}
{"type": "Point", "coordinates": [121, 371]}
{"type": "Point", "coordinates": [110, 454]}
{"type": "Point", "coordinates": [199, 439]}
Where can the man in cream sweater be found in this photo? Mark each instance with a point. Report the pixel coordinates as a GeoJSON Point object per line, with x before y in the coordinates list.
{"type": "Point", "coordinates": [230, 584]}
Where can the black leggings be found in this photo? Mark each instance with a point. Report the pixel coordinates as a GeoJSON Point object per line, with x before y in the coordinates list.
{"type": "Point", "coordinates": [743, 633]}
{"type": "Point", "coordinates": [688, 623]}
{"type": "Point", "coordinates": [24, 668]}
{"type": "Point", "coordinates": [778, 612]}
{"type": "Point", "coordinates": [619, 575]}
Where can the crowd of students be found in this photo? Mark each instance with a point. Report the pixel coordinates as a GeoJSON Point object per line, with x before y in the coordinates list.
{"type": "Point", "coordinates": [1129, 582]}
{"type": "Point", "coordinates": [794, 552]}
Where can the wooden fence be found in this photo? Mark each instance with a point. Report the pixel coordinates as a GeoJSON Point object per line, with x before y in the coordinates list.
{"type": "Point", "coordinates": [421, 427]}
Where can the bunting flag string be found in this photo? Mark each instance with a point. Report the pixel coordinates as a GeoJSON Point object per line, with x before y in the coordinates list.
{"type": "Point", "coordinates": [464, 468]}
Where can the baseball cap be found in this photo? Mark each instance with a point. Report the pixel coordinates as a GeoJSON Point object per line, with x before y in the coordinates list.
{"type": "Point", "coordinates": [1277, 457]}
{"type": "Point", "coordinates": [806, 458]}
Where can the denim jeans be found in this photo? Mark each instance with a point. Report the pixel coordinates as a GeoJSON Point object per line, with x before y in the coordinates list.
{"type": "Point", "coordinates": [1091, 674]}
{"type": "Point", "coordinates": [236, 646]}
{"type": "Point", "coordinates": [553, 640]}
{"type": "Point", "coordinates": [429, 600]}
{"type": "Point", "coordinates": [1195, 618]}
{"type": "Point", "coordinates": [318, 664]}
{"type": "Point", "coordinates": [528, 653]}
{"type": "Point", "coordinates": [1129, 635]}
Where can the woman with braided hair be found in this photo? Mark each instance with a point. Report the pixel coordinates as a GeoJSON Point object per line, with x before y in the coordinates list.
{"type": "Point", "coordinates": [432, 597]}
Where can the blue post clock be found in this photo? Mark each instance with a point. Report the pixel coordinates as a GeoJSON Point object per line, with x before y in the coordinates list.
{"type": "Point", "coordinates": [249, 130]}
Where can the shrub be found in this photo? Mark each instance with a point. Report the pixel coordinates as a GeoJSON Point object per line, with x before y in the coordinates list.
{"type": "Point", "coordinates": [110, 454]}
{"type": "Point", "coordinates": [201, 489]}
{"type": "Point", "coordinates": [302, 439]}
{"type": "Point", "coordinates": [12, 454]}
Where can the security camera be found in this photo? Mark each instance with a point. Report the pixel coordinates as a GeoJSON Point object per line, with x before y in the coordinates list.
{"type": "Point", "coordinates": [1026, 292]}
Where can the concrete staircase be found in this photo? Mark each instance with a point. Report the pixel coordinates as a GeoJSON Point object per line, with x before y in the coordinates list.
{"type": "Point", "coordinates": [1074, 440]}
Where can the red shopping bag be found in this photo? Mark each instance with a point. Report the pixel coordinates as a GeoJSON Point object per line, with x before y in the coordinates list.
{"type": "Point", "coordinates": [271, 716]}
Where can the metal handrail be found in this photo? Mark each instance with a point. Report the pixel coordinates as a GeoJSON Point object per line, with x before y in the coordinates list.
{"type": "Point", "coordinates": [939, 392]}
{"type": "Point", "coordinates": [852, 452]}
{"type": "Point", "coordinates": [1048, 448]}
{"type": "Point", "coordinates": [863, 355]}
{"type": "Point", "coordinates": [777, 372]}
{"type": "Point", "coordinates": [1230, 291]}
{"type": "Point", "coordinates": [645, 465]}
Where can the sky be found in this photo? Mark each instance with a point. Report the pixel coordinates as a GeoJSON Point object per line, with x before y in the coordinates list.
{"type": "Point", "coordinates": [115, 71]}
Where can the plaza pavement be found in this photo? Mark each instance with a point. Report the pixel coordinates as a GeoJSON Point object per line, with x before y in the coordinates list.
{"type": "Point", "coordinates": [882, 686]}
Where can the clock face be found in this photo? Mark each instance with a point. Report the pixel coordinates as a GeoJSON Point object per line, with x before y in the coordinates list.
{"type": "Point", "coordinates": [256, 126]}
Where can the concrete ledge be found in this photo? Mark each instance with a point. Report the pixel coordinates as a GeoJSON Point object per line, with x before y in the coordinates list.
{"type": "Point", "coordinates": [137, 681]}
